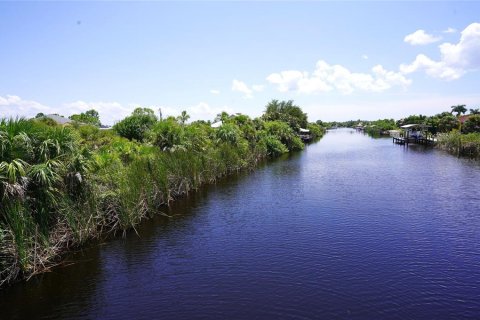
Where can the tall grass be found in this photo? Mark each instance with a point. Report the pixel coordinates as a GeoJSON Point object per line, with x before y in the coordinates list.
{"type": "Point", "coordinates": [60, 187]}
{"type": "Point", "coordinates": [460, 144]}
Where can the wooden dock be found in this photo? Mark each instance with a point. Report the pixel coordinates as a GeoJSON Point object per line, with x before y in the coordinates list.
{"type": "Point", "coordinates": [406, 141]}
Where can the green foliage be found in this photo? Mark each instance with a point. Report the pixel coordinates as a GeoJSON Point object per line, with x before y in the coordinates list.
{"type": "Point", "coordinates": [90, 117]}
{"type": "Point", "coordinates": [167, 134]}
{"type": "Point", "coordinates": [61, 186]}
{"type": "Point", "coordinates": [287, 112]}
{"type": "Point", "coordinates": [459, 109]}
{"type": "Point", "coordinates": [283, 132]}
{"type": "Point", "coordinates": [472, 124]}
{"type": "Point", "coordinates": [183, 117]}
{"type": "Point", "coordinates": [273, 146]}
{"type": "Point", "coordinates": [447, 123]}
{"type": "Point", "coordinates": [475, 111]}
{"type": "Point", "coordinates": [316, 130]}
{"type": "Point", "coordinates": [136, 126]}
{"type": "Point", "coordinates": [460, 144]}
{"type": "Point", "coordinates": [228, 133]}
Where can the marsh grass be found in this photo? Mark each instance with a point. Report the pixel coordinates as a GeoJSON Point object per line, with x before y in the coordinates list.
{"type": "Point", "coordinates": [61, 187]}
{"type": "Point", "coordinates": [460, 144]}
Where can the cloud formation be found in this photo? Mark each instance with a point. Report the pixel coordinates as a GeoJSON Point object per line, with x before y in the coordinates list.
{"type": "Point", "coordinates": [241, 86]}
{"type": "Point", "coordinates": [110, 112]}
{"type": "Point", "coordinates": [420, 37]}
{"type": "Point", "coordinates": [328, 77]}
{"type": "Point", "coordinates": [214, 91]}
{"type": "Point", "coordinates": [455, 59]}
{"type": "Point", "coordinates": [450, 30]}
{"type": "Point", "coordinates": [13, 106]}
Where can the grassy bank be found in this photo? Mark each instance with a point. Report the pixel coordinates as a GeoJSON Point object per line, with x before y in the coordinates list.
{"type": "Point", "coordinates": [61, 186]}
{"type": "Point", "coordinates": [467, 145]}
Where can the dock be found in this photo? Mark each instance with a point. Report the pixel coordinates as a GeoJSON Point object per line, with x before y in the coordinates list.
{"type": "Point", "coordinates": [406, 141]}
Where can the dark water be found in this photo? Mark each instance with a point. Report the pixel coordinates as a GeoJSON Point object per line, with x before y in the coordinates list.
{"type": "Point", "coordinates": [351, 228]}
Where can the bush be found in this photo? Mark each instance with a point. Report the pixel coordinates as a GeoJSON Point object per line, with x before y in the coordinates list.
{"type": "Point", "coordinates": [472, 124]}
{"type": "Point", "coordinates": [136, 126]}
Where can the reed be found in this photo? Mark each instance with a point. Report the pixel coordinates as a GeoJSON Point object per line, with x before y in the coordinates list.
{"type": "Point", "coordinates": [60, 187]}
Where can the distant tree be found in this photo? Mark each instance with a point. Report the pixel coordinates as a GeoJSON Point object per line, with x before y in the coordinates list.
{"type": "Point", "coordinates": [459, 109]}
{"type": "Point", "coordinates": [472, 124]}
{"type": "Point", "coordinates": [223, 116]}
{"type": "Point", "coordinates": [448, 123]}
{"type": "Point", "coordinates": [183, 117]}
{"type": "Point", "coordinates": [144, 112]}
{"type": "Point", "coordinates": [412, 119]}
{"type": "Point", "coordinates": [88, 117]}
{"type": "Point", "coordinates": [41, 114]}
{"type": "Point", "coordinates": [475, 111]}
{"type": "Point", "coordinates": [287, 112]}
{"type": "Point", "coordinates": [136, 125]}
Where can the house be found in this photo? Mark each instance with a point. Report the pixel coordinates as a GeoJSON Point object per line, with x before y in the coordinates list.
{"type": "Point", "coordinates": [464, 118]}
{"type": "Point", "coordinates": [58, 119]}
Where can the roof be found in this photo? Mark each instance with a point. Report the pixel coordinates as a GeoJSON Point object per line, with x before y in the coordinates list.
{"type": "Point", "coordinates": [58, 119]}
{"type": "Point", "coordinates": [414, 125]}
{"type": "Point", "coordinates": [464, 118]}
{"type": "Point", "coordinates": [304, 130]}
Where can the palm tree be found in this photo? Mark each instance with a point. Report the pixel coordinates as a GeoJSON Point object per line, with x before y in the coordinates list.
{"type": "Point", "coordinates": [183, 117]}
{"type": "Point", "coordinates": [459, 109]}
{"type": "Point", "coordinates": [475, 111]}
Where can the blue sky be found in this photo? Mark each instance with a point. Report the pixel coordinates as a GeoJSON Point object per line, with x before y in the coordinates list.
{"type": "Point", "coordinates": [337, 60]}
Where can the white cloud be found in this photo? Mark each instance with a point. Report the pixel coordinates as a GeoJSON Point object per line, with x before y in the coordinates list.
{"type": "Point", "coordinates": [214, 91]}
{"type": "Point", "coordinates": [110, 112]}
{"type": "Point", "coordinates": [258, 87]}
{"type": "Point", "coordinates": [241, 86]}
{"type": "Point", "coordinates": [13, 106]}
{"type": "Point", "coordinates": [456, 59]}
{"type": "Point", "coordinates": [329, 77]}
{"type": "Point", "coordinates": [364, 57]}
{"type": "Point", "coordinates": [450, 30]}
{"type": "Point", "coordinates": [203, 111]}
{"type": "Point", "coordinates": [420, 37]}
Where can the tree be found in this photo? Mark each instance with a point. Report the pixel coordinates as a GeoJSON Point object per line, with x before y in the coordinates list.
{"type": "Point", "coordinates": [287, 112]}
{"type": "Point", "coordinates": [459, 109]}
{"type": "Point", "coordinates": [88, 117]}
{"type": "Point", "coordinates": [144, 112]}
{"type": "Point", "coordinates": [475, 111]}
{"type": "Point", "coordinates": [136, 125]}
{"type": "Point", "coordinates": [472, 124]}
{"type": "Point", "coordinates": [41, 114]}
{"type": "Point", "coordinates": [223, 116]}
{"type": "Point", "coordinates": [183, 117]}
{"type": "Point", "coordinates": [448, 123]}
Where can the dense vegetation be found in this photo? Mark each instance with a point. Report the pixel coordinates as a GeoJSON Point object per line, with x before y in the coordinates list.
{"type": "Point", "coordinates": [60, 186]}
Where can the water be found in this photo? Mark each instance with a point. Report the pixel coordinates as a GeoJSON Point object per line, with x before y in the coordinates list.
{"type": "Point", "coordinates": [350, 228]}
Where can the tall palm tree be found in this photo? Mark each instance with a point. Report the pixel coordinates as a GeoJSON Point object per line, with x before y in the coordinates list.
{"type": "Point", "coordinates": [475, 111]}
{"type": "Point", "coordinates": [459, 109]}
{"type": "Point", "coordinates": [183, 117]}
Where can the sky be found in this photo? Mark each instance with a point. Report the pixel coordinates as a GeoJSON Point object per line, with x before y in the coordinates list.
{"type": "Point", "coordinates": [337, 60]}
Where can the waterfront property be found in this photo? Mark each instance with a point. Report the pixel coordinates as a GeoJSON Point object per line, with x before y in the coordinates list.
{"type": "Point", "coordinates": [305, 135]}
{"type": "Point", "coordinates": [414, 133]}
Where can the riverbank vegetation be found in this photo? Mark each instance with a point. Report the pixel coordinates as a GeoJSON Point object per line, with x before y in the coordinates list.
{"type": "Point", "coordinates": [63, 185]}
{"type": "Point", "coordinates": [455, 131]}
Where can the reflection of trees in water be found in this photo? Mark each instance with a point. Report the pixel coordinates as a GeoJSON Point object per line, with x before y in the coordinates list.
{"type": "Point", "coordinates": [67, 292]}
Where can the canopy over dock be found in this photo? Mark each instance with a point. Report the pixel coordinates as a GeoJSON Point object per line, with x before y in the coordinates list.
{"type": "Point", "coordinates": [414, 133]}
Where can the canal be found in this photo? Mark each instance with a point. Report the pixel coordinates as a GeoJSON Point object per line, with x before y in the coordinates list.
{"type": "Point", "coordinates": [350, 228]}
